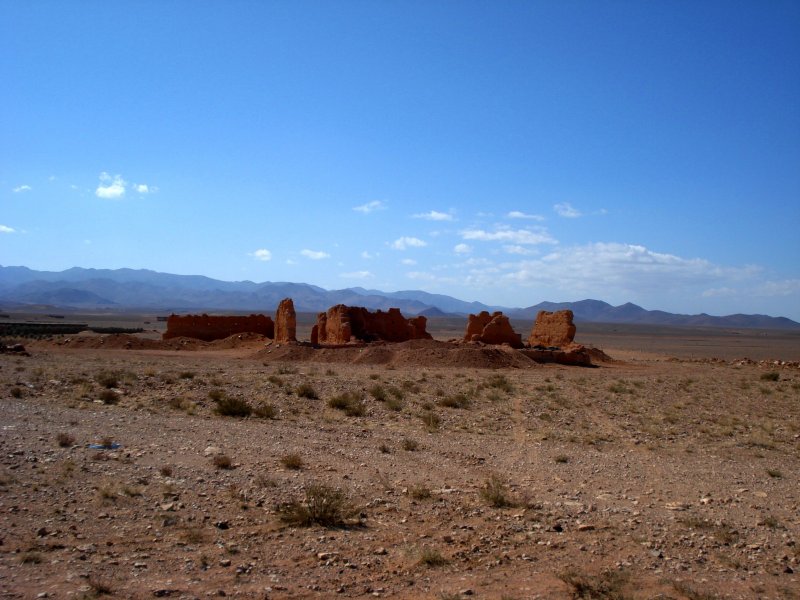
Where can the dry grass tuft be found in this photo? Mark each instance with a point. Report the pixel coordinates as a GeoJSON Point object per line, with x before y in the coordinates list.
{"type": "Point", "coordinates": [322, 505]}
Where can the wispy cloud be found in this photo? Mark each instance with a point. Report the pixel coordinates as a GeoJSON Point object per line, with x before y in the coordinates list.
{"type": "Point", "coordinates": [521, 250]}
{"type": "Point", "coordinates": [22, 188]}
{"type": "Point", "coordinates": [110, 187]}
{"type": "Point", "coordinates": [262, 254]}
{"type": "Point", "coordinates": [408, 261]}
{"type": "Point", "coordinates": [511, 236]}
{"type": "Point", "coordinates": [434, 215]}
{"type": "Point", "coordinates": [462, 249]}
{"type": "Point", "coordinates": [143, 188]}
{"type": "Point", "coordinates": [314, 254]}
{"type": "Point", "coordinates": [7, 229]}
{"type": "Point", "coordinates": [366, 255]}
{"type": "Point", "coordinates": [370, 207]}
{"type": "Point", "coordinates": [407, 242]}
{"type": "Point", "coordinates": [565, 209]}
{"type": "Point", "coordinates": [516, 214]}
{"type": "Point", "coordinates": [625, 267]}
{"type": "Point", "coordinates": [357, 275]}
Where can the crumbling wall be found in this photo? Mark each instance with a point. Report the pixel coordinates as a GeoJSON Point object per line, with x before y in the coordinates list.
{"type": "Point", "coordinates": [344, 324]}
{"type": "Point", "coordinates": [553, 329]}
{"type": "Point", "coordinates": [491, 329]}
{"type": "Point", "coordinates": [286, 322]}
{"type": "Point", "coordinates": [209, 328]}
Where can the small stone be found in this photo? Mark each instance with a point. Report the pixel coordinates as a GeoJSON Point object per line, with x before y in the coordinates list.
{"type": "Point", "coordinates": [225, 562]}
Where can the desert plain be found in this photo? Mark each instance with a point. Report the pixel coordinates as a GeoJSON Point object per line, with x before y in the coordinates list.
{"type": "Point", "coordinates": [137, 469]}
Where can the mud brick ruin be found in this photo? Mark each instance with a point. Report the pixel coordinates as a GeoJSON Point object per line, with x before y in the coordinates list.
{"type": "Point", "coordinates": [553, 329]}
{"type": "Point", "coordinates": [285, 322]}
{"type": "Point", "coordinates": [491, 329]}
{"type": "Point", "coordinates": [210, 328]}
{"type": "Point", "coordinates": [344, 324]}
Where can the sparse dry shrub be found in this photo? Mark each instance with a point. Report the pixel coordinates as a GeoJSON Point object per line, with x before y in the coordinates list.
{"type": "Point", "coordinates": [431, 420]}
{"type": "Point", "coordinates": [420, 492]}
{"type": "Point", "coordinates": [165, 470]}
{"type": "Point", "coordinates": [459, 400]}
{"type": "Point", "coordinates": [216, 394]}
{"type": "Point", "coordinates": [378, 392]}
{"type": "Point", "coordinates": [233, 407]}
{"type": "Point", "coordinates": [306, 390]}
{"type": "Point", "coordinates": [322, 505]}
{"type": "Point", "coordinates": [350, 403]}
{"type": "Point", "coordinates": [394, 404]}
{"type": "Point", "coordinates": [292, 461]}
{"type": "Point", "coordinates": [223, 461]}
{"type": "Point", "coordinates": [275, 380]}
{"type": "Point", "coordinates": [410, 445]}
{"type": "Point", "coordinates": [186, 375]}
{"type": "Point", "coordinates": [495, 492]}
{"type": "Point", "coordinates": [500, 382]}
{"type": "Point", "coordinates": [265, 410]}
{"type": "Point", "coordinates": [608, 585]}
{"type": "Point", "coordinates": [65, 440]}
{"type": "Point", "coordinates": [771, 376]}
{"type": "Point", "coordinates": [109, 396]}
{"type": "Point", "coordinates": [107, 379]}
{"type": "Point", "coordinates": [431, 557]}
{"type": "Point", "coordinates": [16, 392]}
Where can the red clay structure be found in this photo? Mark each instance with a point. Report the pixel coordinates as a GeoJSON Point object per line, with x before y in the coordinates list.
{"type": "Point", "coordinates": [345, 324]}
{"type": "Point", "coordinates": [285, 322]}
{"type": "Point", "coordinates": [553, 329]}
{"type": "Point", "coordinates": [491, 329]}
{"type": "Point", "coordinates": [210, 328]}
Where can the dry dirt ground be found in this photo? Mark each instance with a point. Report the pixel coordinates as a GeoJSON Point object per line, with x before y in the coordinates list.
{"type": "Point", "coordinates": [659, 475]}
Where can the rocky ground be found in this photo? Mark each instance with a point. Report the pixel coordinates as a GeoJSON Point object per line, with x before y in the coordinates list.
{"type": "Point", "coordinates": [647, 477]}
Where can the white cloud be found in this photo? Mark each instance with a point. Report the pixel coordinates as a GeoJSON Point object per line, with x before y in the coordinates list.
{"type": "Point", "coordinates": [434, 215]}
{"type": "Point", "coordinates": [22, 188]}
{"type": "Point", "coordinates": [515, 214]}
{"type": "Point", "coordinates": [289, 261]}
{"type": "Point", "coordinates": [314, 254]}
{"type": "Point", "coordinates": [143, 188]}
{"type": "Point", "coordinates": [408, 261]}
{"type": "Point", "coordinates": [521, 250]}
{"type": "Point", "coordinates": [407, 242]}
{"type": "Point", "coordinates": [110, 187]}
{"type": "Point", "coordinates": [7, 229]}
{"type": "Point", "coordinates": [262, 254]}
{"type": "Point", "coordinates": [622, 267]}
{"type": "Point", "coordinates": [513, 236]}
{"type": "Point", "coordinates": [565, 209]}
{"type": "Point", "coordinates": [357, 275]}
{"type": "Point", "coordinates": [370, 207]}
{"type": "Point", "coordinates": [462, 249]}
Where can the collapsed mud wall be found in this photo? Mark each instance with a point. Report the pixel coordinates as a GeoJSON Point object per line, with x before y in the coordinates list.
{"type": "Point", "coordinates": [286, 322]}
{"type": "Point", "coordinates": [344, 324]}
{"type": "Point", "coordinates": [210, 328]}
{"type": "Point", "coordinates": [553, 329]}
{"type": "Point", "coordinates": [491, 329]}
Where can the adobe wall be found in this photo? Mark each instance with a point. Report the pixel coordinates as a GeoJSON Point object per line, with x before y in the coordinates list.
{"type": "Point", "coordinates": [209, 328]}
{"type": "Point", "coordinates": [343, 324]}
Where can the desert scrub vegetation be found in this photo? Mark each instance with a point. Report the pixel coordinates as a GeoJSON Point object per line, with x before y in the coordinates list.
{"type": "Point", "coordinates": [222, 461]}
{"type": "Point", "coordinates": [500, 382]}
{"type": "Point", "coordinates": [431, 420]}
{"type": "Point", "coordinates": [322, 505]}
{"type": "Point", "coordinates": [459, 400]}
{"type": "Point", "coordinates": [233, 407]}
{"type": "Point", "coordinates": [109, 396]}
{"type": "Point", "coordinates": [431, 557]}
{"type": "Point", "coordinates": [65, 440]}
{"type": "Point", "coordinates": [292, 461]}
{"type": "Point", "coordinates": [771, 376]}
{"type": "Point", "coordinates": [608, 585]}
{"type": "Point", "coordinates": [495, 492]}
{"type": "Point", "coordinates": [265, 410]}
{"type": "Point", "coordinates": [350, 403]}
{"type": "Point", "coordinates": [306, 390]}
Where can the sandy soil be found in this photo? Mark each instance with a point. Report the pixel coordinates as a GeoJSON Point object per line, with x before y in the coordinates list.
{"type": "Point", "coordinates": [659, 475]}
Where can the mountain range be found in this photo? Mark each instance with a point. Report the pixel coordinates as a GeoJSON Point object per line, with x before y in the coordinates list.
{"type": "Point", "coordinates": [128, 289]}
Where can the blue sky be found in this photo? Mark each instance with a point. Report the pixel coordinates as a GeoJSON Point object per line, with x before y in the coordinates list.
{"type": "Point", "coordinates": [507, 152]}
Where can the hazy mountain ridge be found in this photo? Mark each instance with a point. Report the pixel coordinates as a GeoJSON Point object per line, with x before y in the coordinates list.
{"type": "Point", "coordinates": [80, 288]}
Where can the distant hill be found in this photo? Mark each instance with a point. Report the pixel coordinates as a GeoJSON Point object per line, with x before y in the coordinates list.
{"type": "Point", "coordinates": [118, 289]}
